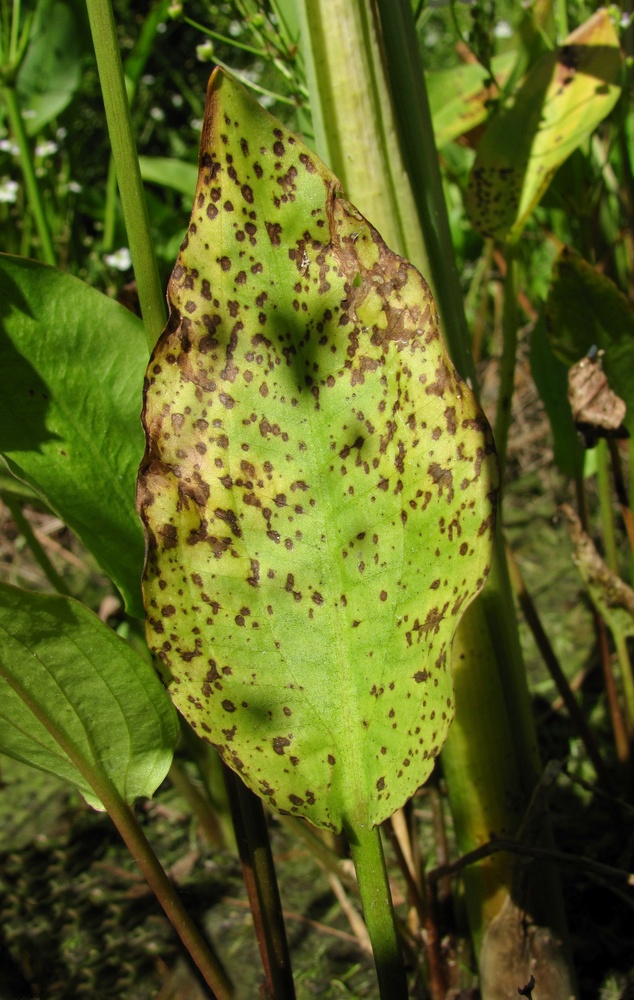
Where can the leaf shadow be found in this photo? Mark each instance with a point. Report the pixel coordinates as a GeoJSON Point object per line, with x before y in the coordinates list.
{"type": "Point", "coordinates": [25, 398]}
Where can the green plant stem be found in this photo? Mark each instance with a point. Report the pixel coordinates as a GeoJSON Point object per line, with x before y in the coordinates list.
{"type": "Point", "coordinates": [252, 837]}
{"type": "Point", "coordinates": [27, 532]}
{"type": "Point", "coordinates": [367, 854]}
{"type": "Point", "coordinates": [507, 364]}
{"type": "Point", "coordinates": [28, 173]}
{"type": "Point", "coordinates": [561, 18]}
{"type": "Point", "coordinates": [102, 26]}
{"type": "Point", "coordinates": [134, 66]}
{"type": "Point", "coordinates": [406, 77]}
{"type": "Point", "coordinates": [110, 209]}
{"type": "Point", "coordinates": [135, 840]}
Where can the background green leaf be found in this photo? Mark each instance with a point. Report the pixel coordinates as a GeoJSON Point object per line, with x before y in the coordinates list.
{"type": "Point", "coordinates": [77, 701]}
{"type": "Point", "coordinates": [317, 487]}
{"type": "Point", "coordinates": [73, 363]}
{"type": "Point", "coordinates": [168, 172]}
{"type": "Point", "coordinates": [52, 68]}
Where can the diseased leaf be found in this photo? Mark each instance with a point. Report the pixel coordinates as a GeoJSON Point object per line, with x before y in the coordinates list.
{"type": "Point", "coordinates": [458, 97]}
{"type": "Point", "coordinates": [76, 700]}
{"type": "Point", "coordinates": [318, 485]}
{"type": "Point", "coordinates": [561, 101]}
{"type": "Point", "coordinates": [73, 363]}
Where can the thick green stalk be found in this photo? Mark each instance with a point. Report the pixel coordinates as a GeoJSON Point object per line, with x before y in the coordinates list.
{"type": "Point", "coordinates": [104, 34]}
{"type": "Point", "coordinates": [507, 363]}
{"type": "Point", "coordinates": [367, 854]}
{"type": "Point", "coordinates": [478, 783]}
{"type": "Point", "coordinates": [31, 185]}
{"type": "Point", "coordinates": [406, 81]}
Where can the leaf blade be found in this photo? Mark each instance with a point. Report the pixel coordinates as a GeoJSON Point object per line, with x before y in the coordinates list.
{"type": "Point", "coordinates": [307, 435]}
{"type": "Point", "coordinates": [561, 101]}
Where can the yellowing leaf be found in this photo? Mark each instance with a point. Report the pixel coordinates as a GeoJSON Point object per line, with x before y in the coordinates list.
{"type": "Point", "coordinates": [458, 96]}
{"type": "Point", "coordinates": [563, 98]}
{"type": "Point", "coordinates": [318, 486]}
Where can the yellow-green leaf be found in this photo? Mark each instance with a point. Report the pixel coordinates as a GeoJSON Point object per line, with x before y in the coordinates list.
{"type": "Point", "coordinates": [561, 101]}
{"type": "Point", "coordinates": [458, 97]}
{"type": "Point", "coordinates": [318, 485]}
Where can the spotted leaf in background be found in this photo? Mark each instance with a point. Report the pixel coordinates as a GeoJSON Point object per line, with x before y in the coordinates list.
{"type": "Point", "coordinates": [317, 489]}
{"type": "Point", "coordinates": [563, 98]}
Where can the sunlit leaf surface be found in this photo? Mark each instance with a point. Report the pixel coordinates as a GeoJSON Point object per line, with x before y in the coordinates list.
{"type": "Point", "coordinates": [317, 489]}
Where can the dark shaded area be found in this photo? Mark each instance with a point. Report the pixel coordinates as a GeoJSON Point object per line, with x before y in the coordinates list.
{"type": "Point", "coordinates": [22, 410]}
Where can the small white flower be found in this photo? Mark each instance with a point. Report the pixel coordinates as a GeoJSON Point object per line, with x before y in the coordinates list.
{"type": "Point", "coordinates": [177, 100]}
{"type": "Point", "coordinates": [503, 30]}
{"type": "Point", "coordinates": [74, 187]}
{"type": "Point", "coordinates": [46, 148]}
{"type": "Point", "coordinates": [6, 146]}
{"type": "Point", "coordinates": [148, 79]}
{"type": "Point", "coordinates": [236, 28]}
{"type": "Point", "coordinates": [161, 28]}
{"type": "Point", "coordinates": [157, 114]}
{"type": "Point", "coordinates": [8, 190]}
{"type": "Point", "coordinates": [61, 133]}
{"type": "Point", "coordinates": [120, 259]}
{"type": "Point", "coordinates": [196, 124]}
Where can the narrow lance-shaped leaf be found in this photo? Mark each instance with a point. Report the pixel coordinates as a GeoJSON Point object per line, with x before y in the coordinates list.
{"type": "Point", "coordinates": [562, 100]}
{"type": "Point", "coordinates": [317, 489]}
{"type": "Point", "coordinates": [77, 701]}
